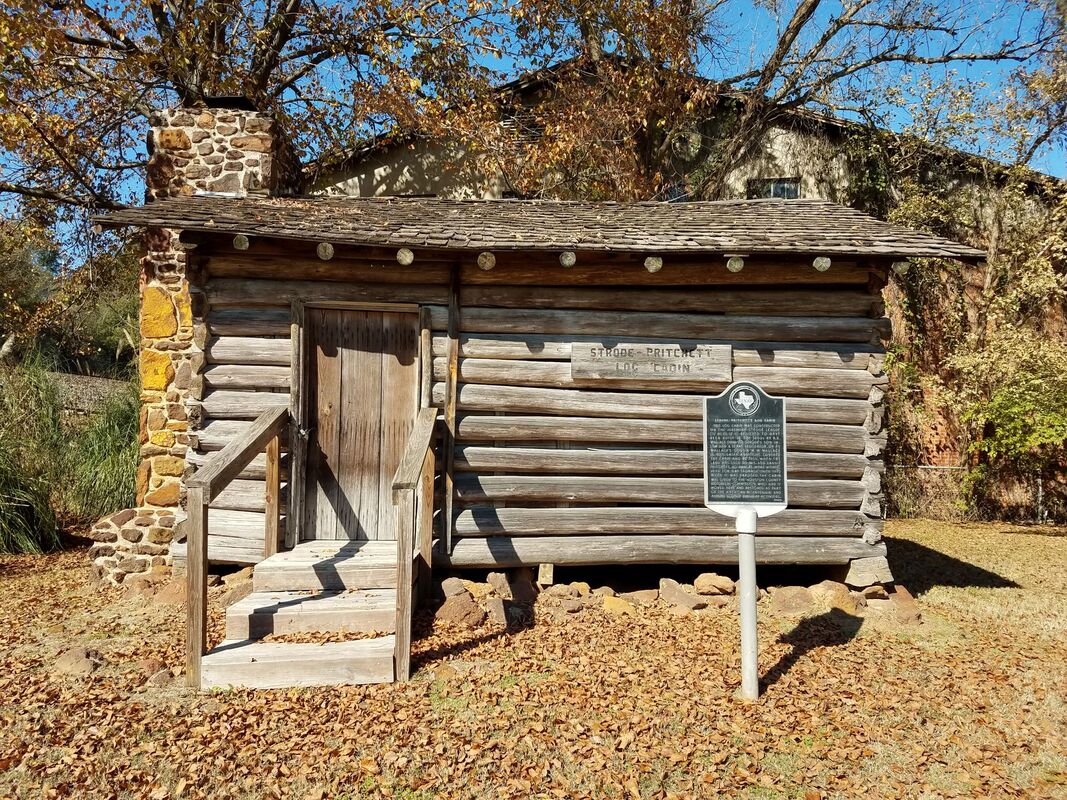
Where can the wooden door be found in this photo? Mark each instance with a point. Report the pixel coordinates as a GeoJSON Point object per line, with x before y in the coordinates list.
{"type": "Point", "coordinates": [362, 398]}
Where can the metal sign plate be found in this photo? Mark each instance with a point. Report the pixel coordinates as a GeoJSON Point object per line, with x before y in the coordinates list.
{"type": "Point", "coordinates": [744, 451]}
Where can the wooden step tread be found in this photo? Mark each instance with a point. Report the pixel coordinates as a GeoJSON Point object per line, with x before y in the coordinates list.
{"type": "Point", "coordinates": [329, 565]}
{"type": "Point", "coordinates": [334, 548]}
{"type": "Point", "coordinates": [265, 613]}
{"type": "Point", "coordinates": [276, 665]}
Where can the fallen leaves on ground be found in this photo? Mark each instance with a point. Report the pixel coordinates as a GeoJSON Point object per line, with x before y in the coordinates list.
{"type": "Point", "coordinates": [323, 637]}
{"type": "Point", "coordinates": [969, 704]}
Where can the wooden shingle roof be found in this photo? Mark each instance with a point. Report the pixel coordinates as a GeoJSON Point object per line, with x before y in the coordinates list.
{"type": "Point", "coordinates": [808, 227]}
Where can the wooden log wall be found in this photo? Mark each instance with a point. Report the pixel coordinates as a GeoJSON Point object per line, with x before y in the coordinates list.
{"type": "Point", "coordinates": [550, 467]}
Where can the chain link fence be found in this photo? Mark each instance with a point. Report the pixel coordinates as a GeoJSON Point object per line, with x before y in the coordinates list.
{"type": "Point", "coordinates": [941, 492]}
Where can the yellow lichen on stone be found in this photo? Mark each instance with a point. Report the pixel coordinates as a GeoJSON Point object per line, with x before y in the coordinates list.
{"type": "Point", "coordinates": [185, 309]}
{"type": "Point", "coordinates": [157, 370]}
{"type": "Point", "coordinates": [162, 438]}
{"type": "Point", "coordinates": [157, 313]}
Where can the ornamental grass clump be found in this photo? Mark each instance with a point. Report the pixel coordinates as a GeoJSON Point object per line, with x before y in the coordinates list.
{"type": "Point", "coordinates": [27, 520]}
{"type": "Point", "coordinates": [102, 461]}
{"type": "Point", "coordinates": [59, 473]}
{"type": "Point", "coordinates": [30, 441]}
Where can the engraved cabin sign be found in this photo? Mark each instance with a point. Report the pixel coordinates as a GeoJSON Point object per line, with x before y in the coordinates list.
{"type": "Point", "coordinates": [666, 361]}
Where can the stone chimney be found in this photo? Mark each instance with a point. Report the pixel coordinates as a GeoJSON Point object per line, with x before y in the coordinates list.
{"type": "Point", "coordinates": [231, 150]}
{"type": "Point", "coordinates": [219, 150]}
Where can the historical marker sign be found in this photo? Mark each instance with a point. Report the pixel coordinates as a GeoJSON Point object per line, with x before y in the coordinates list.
{"type": "Point", "coordinates": [744, 451]}
{"type": "Point", "coordinates": [745, 478]}
{"type": "Point", "coordinates": [665, 361]}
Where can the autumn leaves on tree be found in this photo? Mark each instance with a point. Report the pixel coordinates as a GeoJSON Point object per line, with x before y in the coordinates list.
{"type": "Point", "coordinates": [624, 120]}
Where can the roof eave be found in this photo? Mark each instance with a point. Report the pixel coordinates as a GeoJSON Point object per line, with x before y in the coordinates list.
{"type": "Point", "coordinates": [888, 256]}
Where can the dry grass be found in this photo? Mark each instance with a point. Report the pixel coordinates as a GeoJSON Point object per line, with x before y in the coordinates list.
{"type": "Point", "coordinates": [990, 574]}
{"type": "Point", "coordinates": [969, 704]}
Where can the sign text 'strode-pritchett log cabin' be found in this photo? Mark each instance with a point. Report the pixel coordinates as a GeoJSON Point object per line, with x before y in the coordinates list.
{"type": "Point", "coordinates": [505, 383]}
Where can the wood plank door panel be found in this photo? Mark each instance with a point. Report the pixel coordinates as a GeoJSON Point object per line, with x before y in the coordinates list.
{"type": "Point", "coordinates": [363, 398]}
{"type": "Point", "coordinates": [325, 408]}
{"type": "Point", "coordinates": [360, 458]}
{"type": "Point", "coordinates": [399, 402]}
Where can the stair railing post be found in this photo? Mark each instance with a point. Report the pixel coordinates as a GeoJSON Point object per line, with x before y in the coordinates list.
{"type": "Point", "coordinates": [424, 522]}
{"type": "Point", "coordinates": [404, 505]}
{"type": "Point", "coordinates": [409, 494]}
{"type": "Point", "coordinates": [272, 497]}
{"type": "Point", "coordinates": [203, 487]}
{"type": "Point", "coordinates": [196, 585]}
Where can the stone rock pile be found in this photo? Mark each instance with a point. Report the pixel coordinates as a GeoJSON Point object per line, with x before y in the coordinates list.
{"type": "Point", "coordinates": [513, 600]}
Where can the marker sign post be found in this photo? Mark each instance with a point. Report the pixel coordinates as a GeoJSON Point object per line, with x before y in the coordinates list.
{"type": "Point", "coordinates": [745, 478]}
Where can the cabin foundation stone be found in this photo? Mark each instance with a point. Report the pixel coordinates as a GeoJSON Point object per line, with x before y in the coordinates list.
{"type": "Point", "coordinates": [131, 545]}
{"type": "Point", "coordinates": [863, 572]}
{"type": "Point", "coordinates": [184, 148]}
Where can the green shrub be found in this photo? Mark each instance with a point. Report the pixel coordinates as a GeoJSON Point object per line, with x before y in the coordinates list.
{"type": "Point", "coordinates": [27, 521]}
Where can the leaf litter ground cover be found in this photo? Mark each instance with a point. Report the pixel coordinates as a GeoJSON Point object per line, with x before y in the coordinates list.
{"type": "Point", "coordinates": [969, 704]}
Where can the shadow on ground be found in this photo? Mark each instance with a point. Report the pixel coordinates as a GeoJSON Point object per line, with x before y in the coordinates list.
{"type": "Point", "coordinates": [921, 568]}
{"type": "Point", "coordinates": [831, 629]}
{"type": "Point", "coordinates": [520, 617]}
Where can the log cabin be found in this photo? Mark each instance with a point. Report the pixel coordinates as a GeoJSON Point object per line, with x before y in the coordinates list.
{"type": "Point", "coordinates": [382, 387]}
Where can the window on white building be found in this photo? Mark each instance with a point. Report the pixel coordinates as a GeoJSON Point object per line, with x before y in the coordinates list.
{"type": "Point", "coordinates": [780, 188]}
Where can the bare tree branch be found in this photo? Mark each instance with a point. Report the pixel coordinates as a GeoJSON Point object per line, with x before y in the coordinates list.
{"type": "Point", "coordinates": [45, 193]}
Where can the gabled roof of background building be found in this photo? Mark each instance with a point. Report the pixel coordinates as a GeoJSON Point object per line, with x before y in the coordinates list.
{"type": "Point", "coordinates": [808, 227]}
{"type": "Point", "coordinates": [546, 77]}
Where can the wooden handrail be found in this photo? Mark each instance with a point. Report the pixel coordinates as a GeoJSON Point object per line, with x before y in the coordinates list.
{"type": "Point", "coordinates": [227, 464]}
{"type": "Point", "coordinates": [413, 504]}
{"type": "Point", "coordinates": [410, 469]}
{"type": "Point", "coordinates": [204, 487]}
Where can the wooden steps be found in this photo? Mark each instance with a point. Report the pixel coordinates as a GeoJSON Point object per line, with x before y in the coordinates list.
{"type": "Point", "coordinates": [328, 566]}
{"type": "Point", "coordinates": [271, 665]}
{"type": "Point", "coordinates": [317, 587]}
{"type": "Point", "coordinates": [265, 613]}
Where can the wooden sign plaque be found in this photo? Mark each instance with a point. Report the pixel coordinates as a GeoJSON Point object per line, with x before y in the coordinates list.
{"type": "Point", "coordinates": [664, 361]}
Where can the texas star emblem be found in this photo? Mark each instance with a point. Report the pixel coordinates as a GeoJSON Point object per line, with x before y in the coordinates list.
{"type": "Point", "coordinates": [743, 402]}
